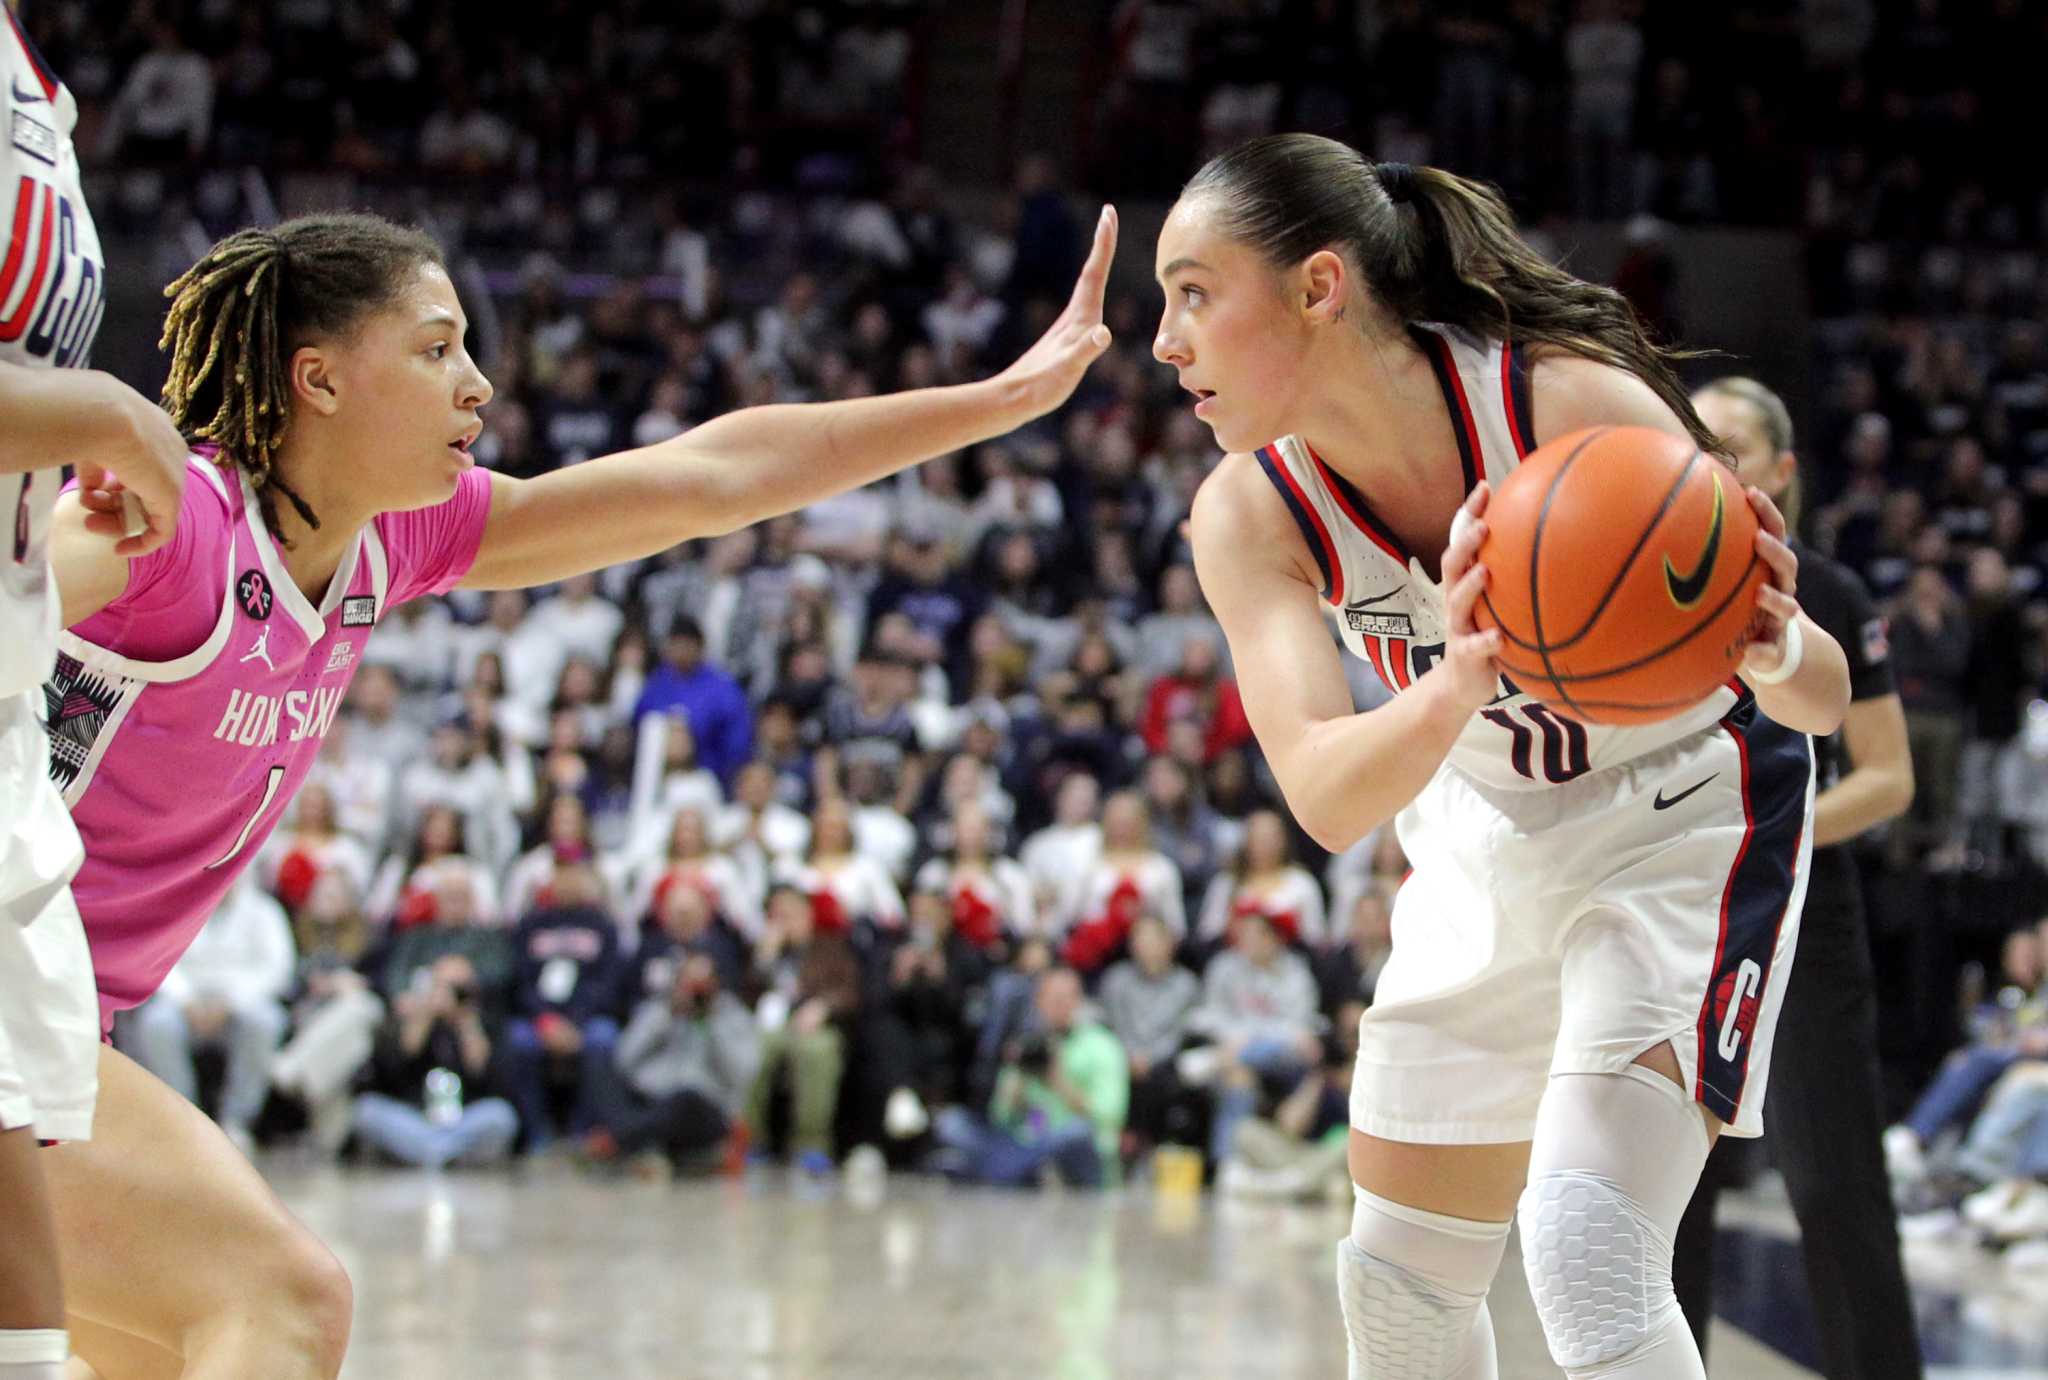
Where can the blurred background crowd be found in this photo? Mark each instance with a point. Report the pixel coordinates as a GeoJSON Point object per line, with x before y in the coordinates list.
{"type": "Point", "coordinates": [926, 823]}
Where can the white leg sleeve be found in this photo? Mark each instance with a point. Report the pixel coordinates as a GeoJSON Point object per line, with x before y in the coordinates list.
{"type": "Point", "coordinates": [1413, 1287]}
{"type": "Point", "coordinates": [1615, 1160]}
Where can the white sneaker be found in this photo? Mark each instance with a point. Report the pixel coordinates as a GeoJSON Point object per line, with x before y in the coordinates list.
{"type": "Point", "coordinates": [905, 1117]}
{"type": "Point", "coordinates": [1199, 1066]}
{"type": "Point", "coordinates": [1987, 1206]}
{"type": "Point", "coordinates": [865, 1167]}
{"type": "Point", "coordinates": [1904, 1157]}
{"type": "Point", "coordinates": [2028, 1260]}
{"type": "Point", "coordinates": [2024, 1216]}
{"type": "Point", "coordinates": [1240, 1180]}
{"type": "Point", "coordinates": [1938, 1225]}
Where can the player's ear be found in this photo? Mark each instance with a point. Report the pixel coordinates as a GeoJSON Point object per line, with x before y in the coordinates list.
{"type": "Point", "coordinates": [1324, 286]}
{"type": "Point", "coordinates": [310, 377]}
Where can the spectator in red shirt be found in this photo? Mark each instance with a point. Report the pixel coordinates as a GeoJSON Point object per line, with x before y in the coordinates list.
{"type": "Point", "coordinates": [1201, 692]}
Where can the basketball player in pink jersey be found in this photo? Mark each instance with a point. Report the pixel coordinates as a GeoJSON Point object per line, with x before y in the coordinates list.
{"type": "Point", "coordinates": [322, 364]}
{"type": "Point", "coordinates": [52, 413]}
{"type": "Point", "coordinates": [1591, 949]}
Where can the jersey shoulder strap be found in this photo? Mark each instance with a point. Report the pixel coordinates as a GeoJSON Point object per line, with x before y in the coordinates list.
{"type": "Point", "coordinates": [1485, 384]}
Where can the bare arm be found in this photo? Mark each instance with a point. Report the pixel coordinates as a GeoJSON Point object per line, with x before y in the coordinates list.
{"type": "Point", "coordinates": [1344, 773]}
{"type": "Point", "coordinates": [120, 443]}
{"type": "Point", "coordinates": [762, 461]}
{"type": "Point", "coordinates": [1879, 786]}
{"type": "Point", "coordinates": [1570, 393]}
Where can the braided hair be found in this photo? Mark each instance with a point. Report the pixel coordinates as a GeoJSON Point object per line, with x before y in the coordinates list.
{"type": "Point", "coordinates": [237, 316]}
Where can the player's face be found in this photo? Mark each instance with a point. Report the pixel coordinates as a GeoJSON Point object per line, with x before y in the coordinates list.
{"type": "Point", "coordinates": [419, 394]}
{"type": "Point", "coordinates": [1736, 422]}
{"type": "Point", "coordinates": [1226, 329]}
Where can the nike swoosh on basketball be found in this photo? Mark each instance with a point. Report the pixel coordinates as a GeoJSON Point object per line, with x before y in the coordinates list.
{"type": "Point", "coordinates": [29, 97]}
{"type": "Point", "coordinates": [1660, 803]}
{"type": "Point", "coordinates": [1687, 589]}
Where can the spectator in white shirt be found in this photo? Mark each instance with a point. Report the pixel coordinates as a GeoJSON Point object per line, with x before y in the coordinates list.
{"type": "Point", "coordinates": [377, 729]}
{"type": "Point", "coordinates": [1058, 856]}
{"type": "Point", "coordinates": [690, 861]}
{"type": "Point", "coordinates": [847, 888]}
{"type": "Point", "coordinates": [757, 830]}
{"type": "Point", "coordinates": [405, 892]}
{"type": "Point", "coordinates": [580, 622]}
{"type": "Point", "coordinates": [963, 319]}
{"type": "Point", "coordinates": [459, 773]}
{"type": "Point", "coordinates": [1265, 880]}
{"type": "Point", "coordinates": [417, 641]}
{"type": "Point", "coordinates": [1130, 879]}
{"type": "Point", "coordinates": [990, 895]}
{"type": "Point", "coordinates": [226, 992]}
{"type": "Point", "coordinates": [462, 137]}
{"type": "Point", "coordinates": [164, 113]}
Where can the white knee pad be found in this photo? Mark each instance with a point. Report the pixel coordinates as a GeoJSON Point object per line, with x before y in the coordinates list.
{"type": "Point", "coordinates": [1599, 1269]}
{"type": "Point", "coordinates": [1615, 1161]}
{"type": "Point", "coordinates": [1413, 1289]}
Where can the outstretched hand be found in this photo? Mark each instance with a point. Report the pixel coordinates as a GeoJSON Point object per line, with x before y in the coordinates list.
{"type": "Point", "coordinates": [1047, 373]}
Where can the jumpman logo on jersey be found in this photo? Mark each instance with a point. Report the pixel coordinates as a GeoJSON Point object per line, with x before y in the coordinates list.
{"type": "Point", "coordinates": [261, 649]}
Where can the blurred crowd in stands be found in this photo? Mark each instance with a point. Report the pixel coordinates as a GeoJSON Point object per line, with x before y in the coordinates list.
{"type": "Point", "coordinates": [928, 819]}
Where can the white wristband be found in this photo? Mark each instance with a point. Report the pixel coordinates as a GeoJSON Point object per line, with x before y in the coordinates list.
{"type": "Point", "coordinates": [1795, 647]}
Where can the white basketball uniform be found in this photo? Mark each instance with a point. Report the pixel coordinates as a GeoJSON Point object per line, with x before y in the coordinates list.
{"type": "Point", "coordinates": [1579, 894]}
{"type": "Point", "coordinates": [51, 301]}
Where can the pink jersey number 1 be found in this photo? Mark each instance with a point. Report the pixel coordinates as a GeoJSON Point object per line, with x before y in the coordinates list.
{"type": "Point", "coordinates": [271, 782]}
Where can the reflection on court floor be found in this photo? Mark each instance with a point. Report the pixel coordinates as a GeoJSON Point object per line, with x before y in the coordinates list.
{"type": "Point", "coordinates": [542, 1275]}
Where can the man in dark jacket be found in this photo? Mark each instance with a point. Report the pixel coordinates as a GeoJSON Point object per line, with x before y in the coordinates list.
{"type": "Point", "coordinates": [565, 997]}
{"type": "Point", "coordinates": [917, 1041]}
{"type": "Point", "coordinates": [686, 1061]}
{"type": "Point", "coordinates": [429, 1103]}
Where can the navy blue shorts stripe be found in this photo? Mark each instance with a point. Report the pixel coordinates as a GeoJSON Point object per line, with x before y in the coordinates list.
{"type": "Point", "coordinates": [1311, 529]}
{"type": "Point", "coordinates": [1777, 765]}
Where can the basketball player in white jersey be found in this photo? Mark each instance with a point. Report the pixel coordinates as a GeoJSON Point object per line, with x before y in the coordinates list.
{"type": "Point", "coordinates": [51, 300]}
{"type": "Point", "coordinates": [1590, 952]}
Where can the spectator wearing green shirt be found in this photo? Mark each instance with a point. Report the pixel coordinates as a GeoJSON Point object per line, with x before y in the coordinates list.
{"type": "Point", "coordinates": [1060, 1100]}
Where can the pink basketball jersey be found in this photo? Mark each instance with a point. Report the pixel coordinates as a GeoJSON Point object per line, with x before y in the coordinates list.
{"type": "Point", "coordinates": [186, 714]}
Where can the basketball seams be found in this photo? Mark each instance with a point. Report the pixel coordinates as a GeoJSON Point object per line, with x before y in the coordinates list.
{"type": "Point", "coordinates": [1536, 560]}
{"type": "Point", "coordinates": [1671, 497]}
{"type": "Point", "coordinates": [1705, 622]}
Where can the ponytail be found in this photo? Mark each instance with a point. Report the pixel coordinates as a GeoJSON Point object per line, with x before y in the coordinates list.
{"type": "Point", "coordinates": [1434, 247]}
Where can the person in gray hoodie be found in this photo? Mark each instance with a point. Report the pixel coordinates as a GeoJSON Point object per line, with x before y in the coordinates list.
{"type": "Point", "coordinates": [1259, 1006]}
{"type": "Point", "coordinates": [678, 1076]}
{"type": "Point", "coordinates": [1149, 1002]}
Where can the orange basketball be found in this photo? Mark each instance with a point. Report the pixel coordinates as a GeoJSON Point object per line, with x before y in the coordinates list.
{"type": "Point", "coordinates": [1623, 574]}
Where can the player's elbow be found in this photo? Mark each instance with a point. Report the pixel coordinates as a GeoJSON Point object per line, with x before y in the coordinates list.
{"type": "Point", "coordinates": [1331, 830]}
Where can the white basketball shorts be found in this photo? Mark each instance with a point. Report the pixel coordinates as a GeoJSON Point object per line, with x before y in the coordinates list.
{"type": "Point", "coordinates": [1574, 928]}
{"type": "Point", "coordinates": [49, 1008]}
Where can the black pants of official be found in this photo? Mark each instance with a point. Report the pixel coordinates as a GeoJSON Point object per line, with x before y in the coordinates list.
{"type": "Point", "coordinates": [1823, 1123]}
